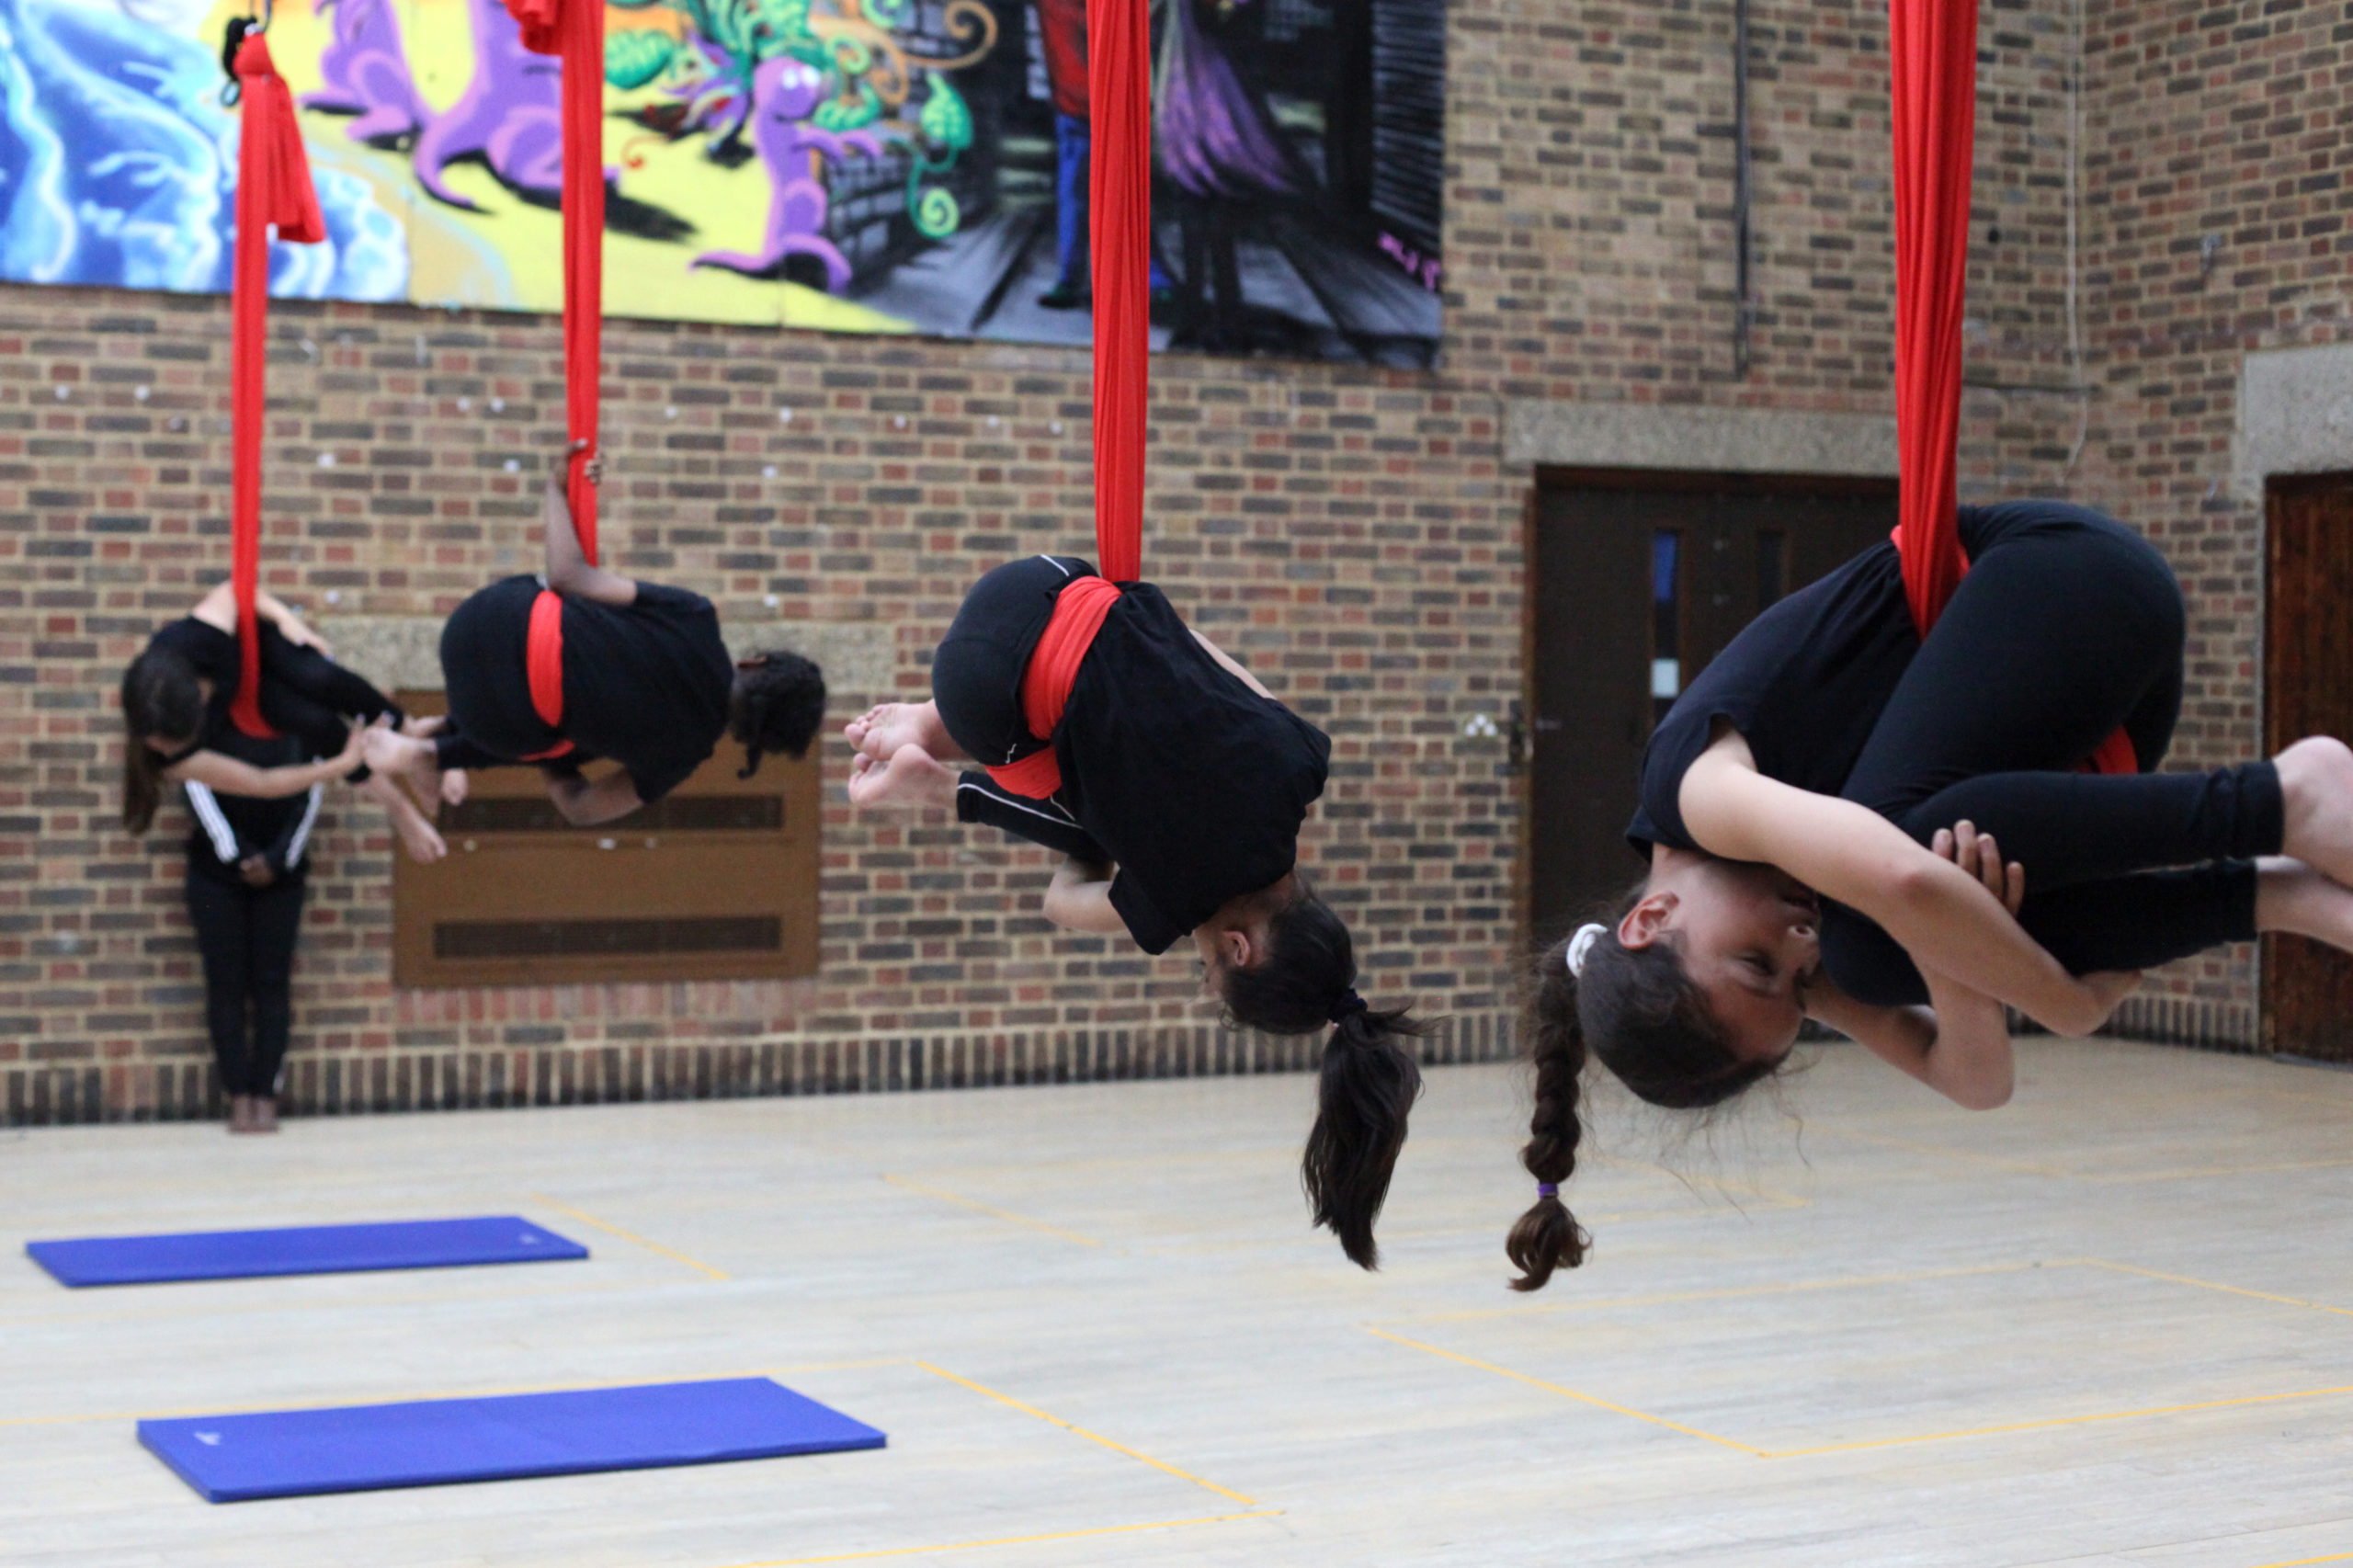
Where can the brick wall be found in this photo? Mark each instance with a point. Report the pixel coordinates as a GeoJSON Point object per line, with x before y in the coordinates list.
{"type": "Point", "coordinates": [1353, 535]}
{"type": "Point", "coordinates": [1344, 532]}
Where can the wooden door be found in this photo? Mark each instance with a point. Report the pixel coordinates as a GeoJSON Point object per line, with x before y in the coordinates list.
{"type": "Point", "coordinates": [1640, 581]}
{"type": "Point", "coordinates": [2308, 689]}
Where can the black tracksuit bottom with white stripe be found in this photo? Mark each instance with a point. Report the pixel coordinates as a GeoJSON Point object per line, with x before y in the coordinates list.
{"type": "Point", "coordinates": [246, 934]}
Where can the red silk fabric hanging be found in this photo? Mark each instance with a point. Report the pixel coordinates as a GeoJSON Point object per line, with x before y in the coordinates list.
{"type": "Point", "coordinates": [274, 190]}
{"type": "Point", "coordinates": [1119, 43]}
{"type": "Point", "coordinates": [575, 30]}
{"type": "Point", "coordinates": [1932, 61]}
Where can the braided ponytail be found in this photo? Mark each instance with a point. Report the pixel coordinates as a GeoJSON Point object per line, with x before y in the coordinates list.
{"type": "Point", "coordinates": [1636, 1011]}
{"type": "Point", "coordinates": [1548, 1236]}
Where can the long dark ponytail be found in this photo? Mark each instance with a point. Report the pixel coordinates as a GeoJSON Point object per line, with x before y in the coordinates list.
{"type": "Point", "coordinates": [1647, 1021]}
{"type": "Point", "coordinates": [160, 696]}
{"type": "Point", "coordinates": [1369, 1079]}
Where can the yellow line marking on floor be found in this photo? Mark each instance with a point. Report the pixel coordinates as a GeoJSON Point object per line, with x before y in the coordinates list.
{"type": "Point", "coordinates": [1225, 1491]}
{"type": "Point", "coordinates": [588, 1219]}
{"type": "Point", "coordinates": [181, 1313]}
{"type": "Point", "coordinates": [2089, 1178]}
{"type": "Point", "coordinates": [1007, 1215]}
{"type": "Point", "coordinates": [2306, 1562]}
{"type": "Point", "coordinates": [2210, 1285]}
{"type": "Point", "coordinates": [2057, 1420]}
{"type": "Point", "coordinates": [420, 1398]}
{"type": "Point", "coordinates": [1731, 1292]}
{"type": "Point", "coordinates": [1005, 1540]}
{"type": "Point", "coordinates": [2123, 1268]}
{"type": "Point", "coordinates": [1570, 1392]}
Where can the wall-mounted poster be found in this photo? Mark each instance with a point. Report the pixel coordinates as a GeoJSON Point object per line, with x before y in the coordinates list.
{"type": "Point", "coordinates": [864, 166]}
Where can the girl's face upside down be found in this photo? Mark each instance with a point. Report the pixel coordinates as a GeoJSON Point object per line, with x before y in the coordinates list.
{"type": "Point", "coordinates": [1749, 936]}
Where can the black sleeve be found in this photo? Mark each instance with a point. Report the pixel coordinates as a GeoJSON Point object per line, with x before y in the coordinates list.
{"type": "Point", "coordinates": [451, 749]}
{"type": "Point", "coordinates": [1043, 823]}
{"type": "Point", "coordinates": [308, 673]}
{"type": "Point", "coordinates": [212, 651]}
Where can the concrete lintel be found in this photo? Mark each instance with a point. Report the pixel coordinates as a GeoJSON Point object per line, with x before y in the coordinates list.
{"type": "Point", "coordinates": [2295, 414]}
{"type": "Point", "coordinates": [1697, 440]}
{"type": "Point", "coordinates": [403, 652]}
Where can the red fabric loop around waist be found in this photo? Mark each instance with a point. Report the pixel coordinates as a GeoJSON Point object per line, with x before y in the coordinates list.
{"type": "Point", "coordinates": [543, 667]}
{"type": "Point", "coordinates": [1078, 617]}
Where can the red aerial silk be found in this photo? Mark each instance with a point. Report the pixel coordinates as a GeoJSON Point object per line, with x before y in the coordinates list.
{"type": "Point", "coordinates": [1932, 57]}
{"type": "Point", "coordinates": [1118, 40]}
{"type": "Point", "coordinates": [1079, 611]}
{"type": "Point", "coordinates": [543, 668]}
{"type": "Point", "coordinates": [274, 192]}
{"type": "Point", "coordinates": [576, 30]}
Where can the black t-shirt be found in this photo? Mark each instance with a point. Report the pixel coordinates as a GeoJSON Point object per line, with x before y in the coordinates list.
{"type": "Point", "coordinates": [1194, 784]}
{"type": "Point", "coordinates": [1805, 682]}
{"type": "Point", "coordinates": [225, 828]}
{"type": "Point", "coordinates": [644, 684]}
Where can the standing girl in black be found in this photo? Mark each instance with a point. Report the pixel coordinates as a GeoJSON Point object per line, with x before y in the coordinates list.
{"type": "Point", "coordinates": [1174, 785]}
{"type": "Point", "coordinates": [1888, 834]}
{"type": "Point", "coordinates": [176, 697]}
{"type": "Point", "coordinates": [579, 664]}
{"type": "Point", "coordinates": [247, 866]}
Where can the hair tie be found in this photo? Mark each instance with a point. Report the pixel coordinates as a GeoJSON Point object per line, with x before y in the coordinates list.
{"type": "Point", "coordinates": [1347, 1007]}
{"type": "Point", "coordinates": [1581, 944]}
{"type": "Point", "coordinates": [1547, 1189]}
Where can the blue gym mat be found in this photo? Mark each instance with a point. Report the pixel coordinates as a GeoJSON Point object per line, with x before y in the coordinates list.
{"type": "Point", "coordinates": [308, 1249]}
{"type": "Point", "coordinates": [367, 1447]}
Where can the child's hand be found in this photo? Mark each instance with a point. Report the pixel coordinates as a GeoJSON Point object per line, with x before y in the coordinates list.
{"type": "Point", "coordinates": [1977, 854]}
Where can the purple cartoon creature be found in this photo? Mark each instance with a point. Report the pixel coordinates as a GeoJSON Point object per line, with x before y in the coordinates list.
{"type": "Point", "coordinates": [366, 72]}
{"type": "Point", "coordinates": [509, 117]}
{"type": "Point", "coordinates": [785, 93]}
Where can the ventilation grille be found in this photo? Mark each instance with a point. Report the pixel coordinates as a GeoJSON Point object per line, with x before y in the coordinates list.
{"type": "Point", "coordinates": [593, 938]}
{"type": "Point", "coordinates": [671, 813]}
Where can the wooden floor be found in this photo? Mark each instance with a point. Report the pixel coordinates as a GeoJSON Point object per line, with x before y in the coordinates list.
{"type": "Point", "coordinates": [2112, 1324]}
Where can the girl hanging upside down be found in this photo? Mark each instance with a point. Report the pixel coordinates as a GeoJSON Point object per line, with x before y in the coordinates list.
{"type": "Point", "coordinates": [1887, 834]}
{"type": "Point", "coordinates": [1174, 785]}
{"type": "Point", "coordinates": [580, 663]}
{"type": "Point", "coordinates": [177, 694]}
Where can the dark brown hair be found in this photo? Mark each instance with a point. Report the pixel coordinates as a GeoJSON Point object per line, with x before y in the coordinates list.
{"type": "Point", "coordinates": [778, 701]}
{"type": "Point", "coordinates": [1647, 1021]}
{"type": "Point", "coordinates": [1370, 1080]}
{"type": "Point", "coordinates": [160, 696]}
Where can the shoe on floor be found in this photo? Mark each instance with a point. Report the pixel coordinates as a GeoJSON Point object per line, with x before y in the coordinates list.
{"type": "Point", "coordinates": [1065, 297]}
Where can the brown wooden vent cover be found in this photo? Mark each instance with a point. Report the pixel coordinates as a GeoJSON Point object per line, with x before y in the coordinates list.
{"type": "Point", "coordinates": [717, 881]}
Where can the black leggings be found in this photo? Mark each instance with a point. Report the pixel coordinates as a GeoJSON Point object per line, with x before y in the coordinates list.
{"type": "Point", "coordinates": [307, 695]}
{"type": "Point", "coordinates": [247, 937]}
{"type": "Point", "coordinates": [2066, 627]}
{"type": "Point", "coordinates": [976, 683]}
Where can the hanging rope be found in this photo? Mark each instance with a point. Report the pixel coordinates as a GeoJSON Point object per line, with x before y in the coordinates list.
{"type": "Point", "coordinates": [1119, 41]}
{"type": "Point", "coordinates": [274, 194]}
{"type": "Point", "coordinates": [1932, 60]}
{"type": "Point", "coordinates": [574, 30]}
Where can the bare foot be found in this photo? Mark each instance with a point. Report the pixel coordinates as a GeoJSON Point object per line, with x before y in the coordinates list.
{"type": "Point", "coordinates": [241, 1113]}
{"type": "Point", "coordinates": [912, 777]}
{"type": "Point", "coordinates": [265, 1114]}
{"type": "Point", "coordinates": [425, 728]}
{"type": "Point", "coordinates": [418, 835]}
{"type": "Point", "coordinates": [883, 728]}
{"type": "Point", "coordinates": [2316, 792]}
{"type": "Point", "coordinates": [412, 761]}
{"type": "Point", "coordinates": [454, 786]}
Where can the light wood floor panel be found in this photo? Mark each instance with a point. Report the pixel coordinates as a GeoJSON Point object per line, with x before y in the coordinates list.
{"type": "Point", "coordinates": [2111, 1326]}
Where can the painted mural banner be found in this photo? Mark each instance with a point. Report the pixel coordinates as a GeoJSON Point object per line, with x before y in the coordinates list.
{"type": "Point", "coordinates": [864, 166]}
